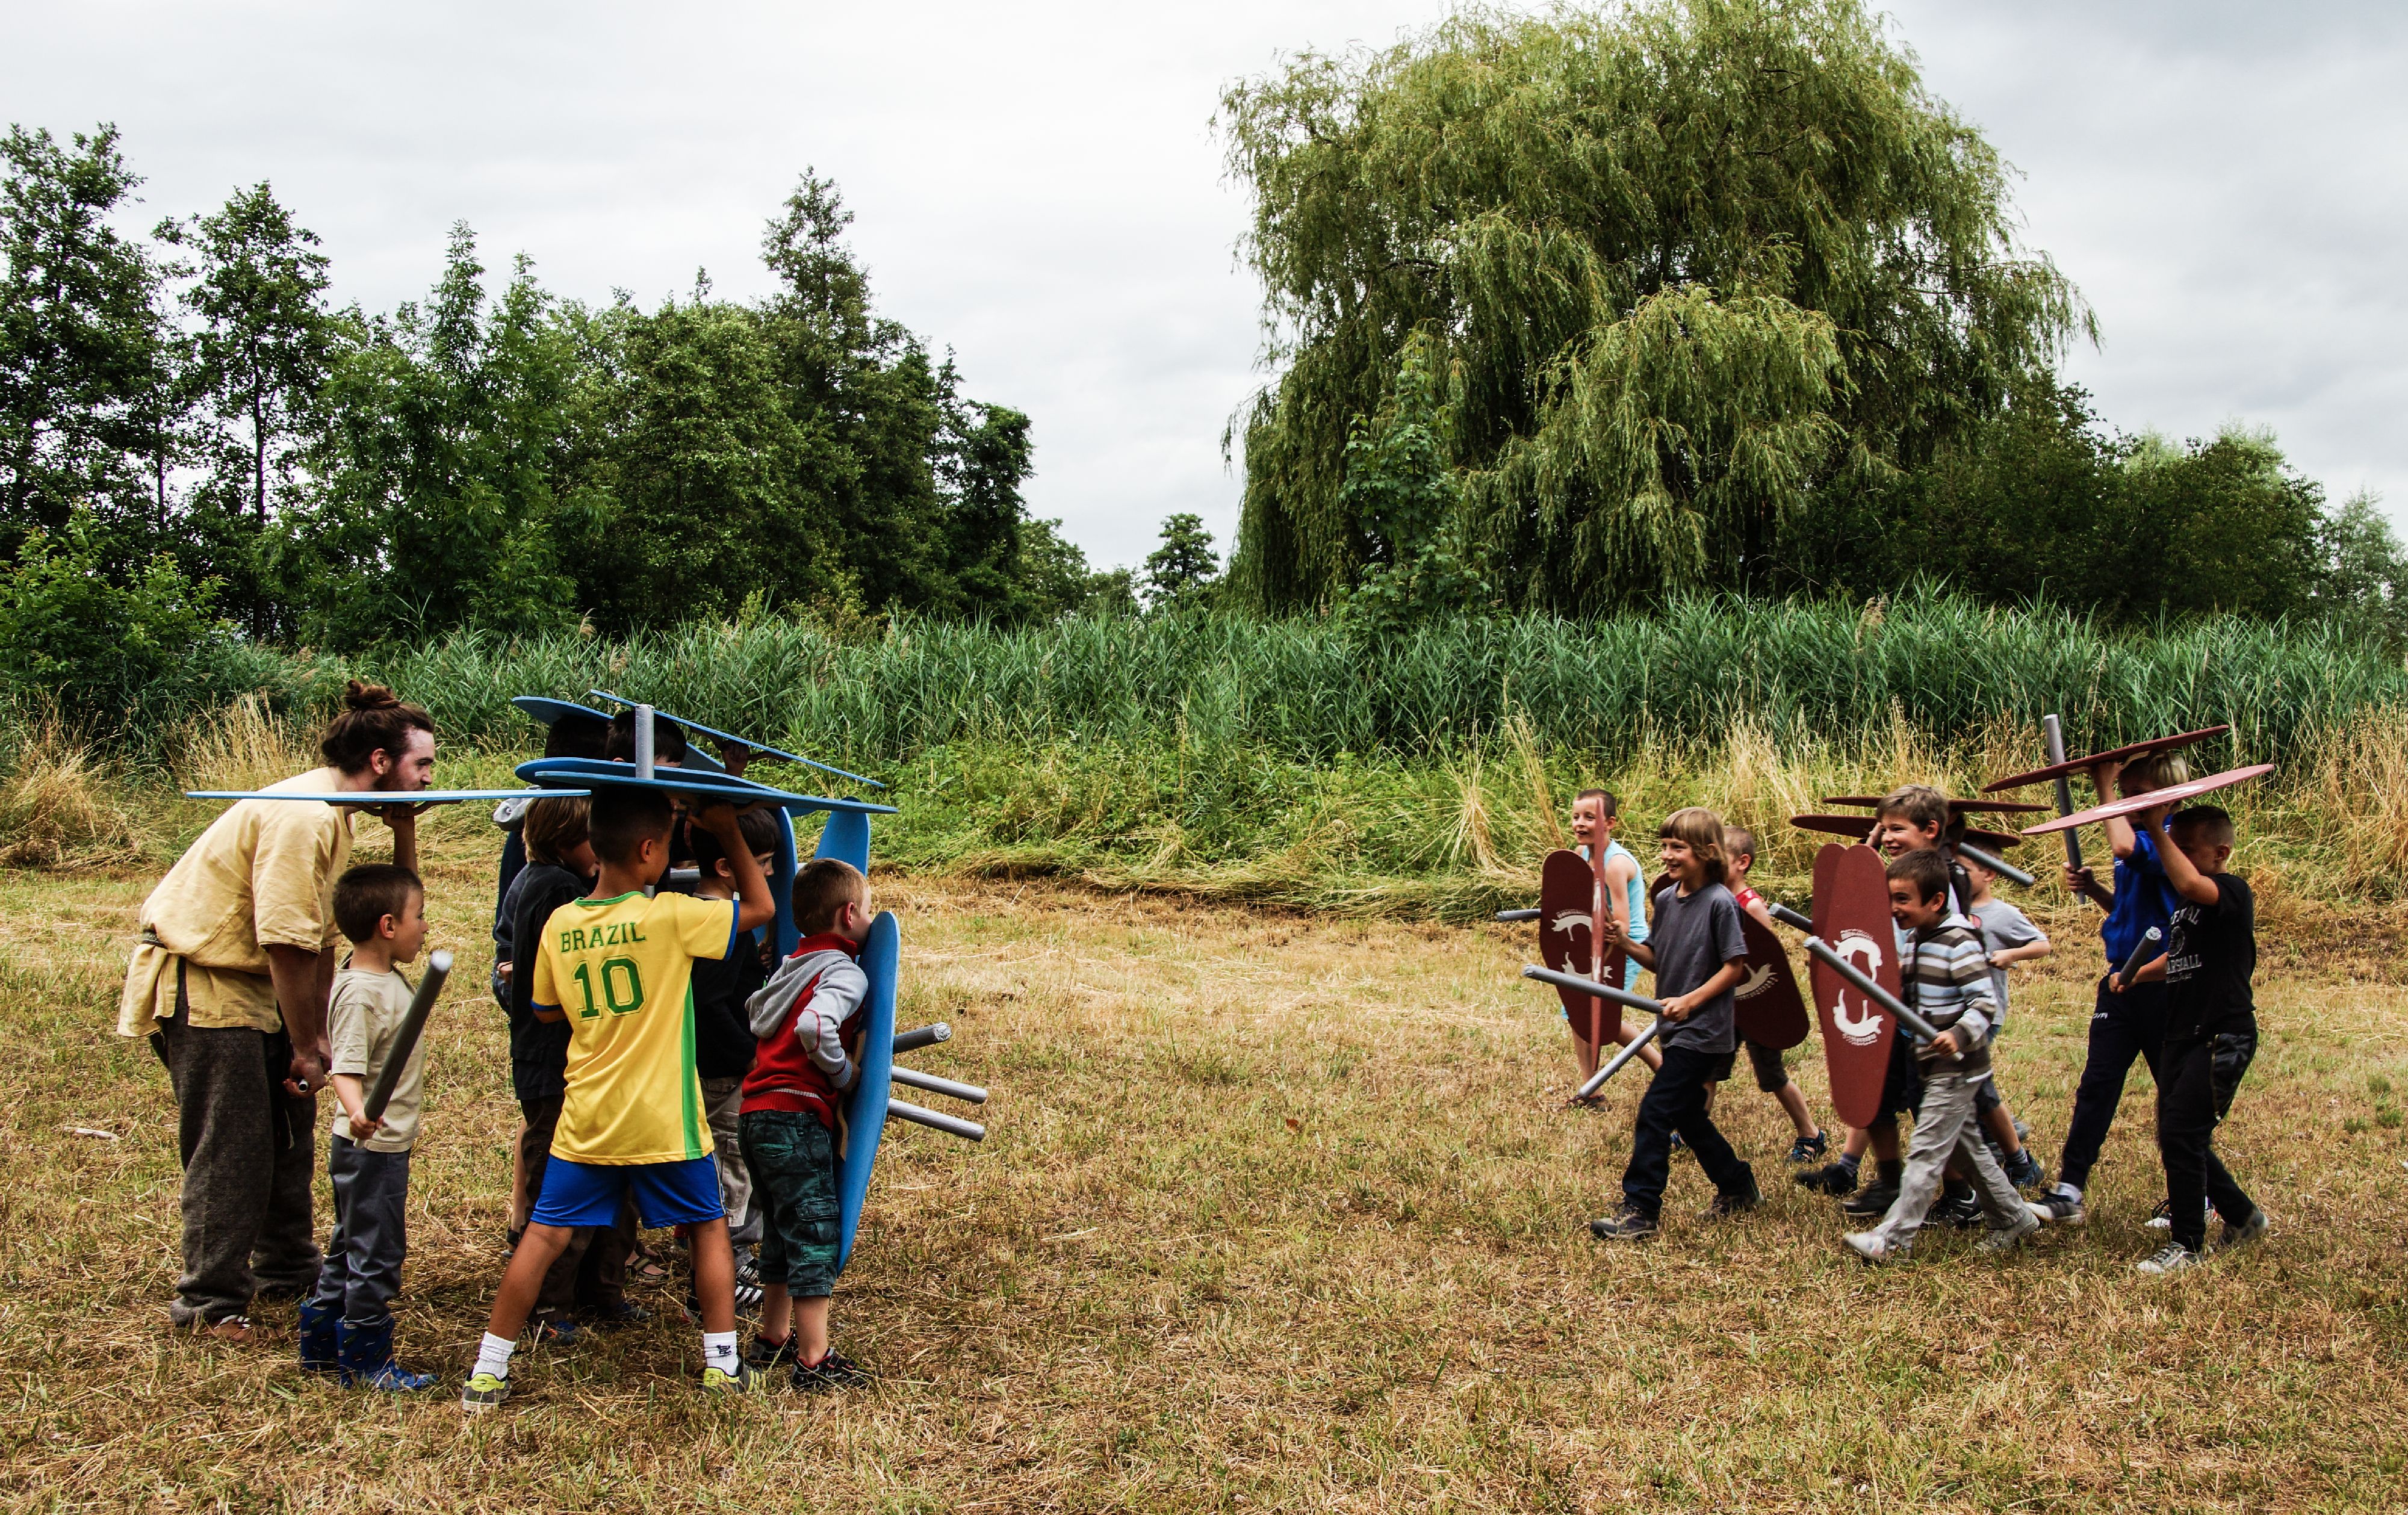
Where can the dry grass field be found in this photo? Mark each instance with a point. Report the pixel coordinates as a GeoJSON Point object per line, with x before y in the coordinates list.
{"type": "Point", "coordinates": [1277, 1213]}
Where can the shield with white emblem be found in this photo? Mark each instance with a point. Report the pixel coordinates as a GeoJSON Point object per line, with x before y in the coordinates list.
{"type": "Point", "coordinates": [1771, 1011]}
{"type": "Point", "coordinates": [1852, 913]}
{"type": "Point", "coordinates": [1567, 902]}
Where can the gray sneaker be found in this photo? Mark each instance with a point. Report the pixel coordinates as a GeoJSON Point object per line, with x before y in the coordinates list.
{"type": "Point", "coordinates": [2058, 1208]}
{"type": "Point", "coordinates": [2006, 1238]}
{"type": "Point", "coordinates": [483, 1393]}
{"type": "Point", "coordinates": [2259, 1223]}
{"type": "Point", "coordinates": [2174, 1257]}
{"type": "Point", "coordinates": [1869, 1246]}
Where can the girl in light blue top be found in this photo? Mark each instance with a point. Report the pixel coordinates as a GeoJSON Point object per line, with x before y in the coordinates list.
{"type": "Point", "coordinates": [1596, 815]}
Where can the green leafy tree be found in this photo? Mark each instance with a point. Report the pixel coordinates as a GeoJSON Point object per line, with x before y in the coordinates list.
{"type": "Point", "coordinates": [1181, 572]}
{"type": "Point", "coordinates": [982, 455]}
{"type": "Point", "coordinates": [261, 347]}
{"type": "Point", "coordinates": [83, 357]}
{"type": "Point", "coordinates": [447, 485]}
{"type": "Point", "coordinates": [2365, 571]}
{"type": "Point", "coordinates": [1681, 264]}
{"type": "Point", "coordinates": [75, 629]}
{"type": "Point", "coordinates": [1408, 507]}
{"type": "Point", "coordinates": [714, 484]}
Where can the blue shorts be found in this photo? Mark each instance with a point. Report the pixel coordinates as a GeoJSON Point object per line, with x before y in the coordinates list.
{"type": "Point", "coordinates": [665, 1194]}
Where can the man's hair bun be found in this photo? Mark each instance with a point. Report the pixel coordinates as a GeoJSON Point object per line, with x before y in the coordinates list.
{"type": "Point", "coordinates": [373, 719]}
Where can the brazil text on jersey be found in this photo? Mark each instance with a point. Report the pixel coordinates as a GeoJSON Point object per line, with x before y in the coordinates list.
{"type": "Point", "coordinates": [616, 933]}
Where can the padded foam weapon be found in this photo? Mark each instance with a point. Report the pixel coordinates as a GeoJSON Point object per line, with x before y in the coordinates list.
{"type": "Point", "coordinates": [405, 1041]}
{"type": "Point", "coordinates": [1614, 995]}
{"type": "Point", "coordinates": [2054, 732]}
{"type": "Point", "coordinates": [1996, 864]}
{"type": "Point", "coordinates": [2143, 951]}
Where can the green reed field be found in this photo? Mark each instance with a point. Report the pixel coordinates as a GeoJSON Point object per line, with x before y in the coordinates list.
{"type": "Point", "coordinates": [1286, 761]}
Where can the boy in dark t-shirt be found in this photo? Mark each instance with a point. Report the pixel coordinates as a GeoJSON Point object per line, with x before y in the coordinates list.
{"type": "Point", "coordinates": [722, 1039]}
{"type": "Point", "coordinates": [1699, 954]}
{"type": "Point", "coordinates": [2207, 966]}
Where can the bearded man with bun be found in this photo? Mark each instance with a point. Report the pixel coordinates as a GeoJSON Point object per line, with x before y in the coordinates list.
{"type": "Point", "coordinates": [229, 981]}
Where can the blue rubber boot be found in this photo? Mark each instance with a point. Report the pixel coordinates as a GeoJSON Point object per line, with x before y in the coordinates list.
{"type": "Point", "coordinates": [321, 1338]}
{"type": "Point", "coordinates": [367, 1361]}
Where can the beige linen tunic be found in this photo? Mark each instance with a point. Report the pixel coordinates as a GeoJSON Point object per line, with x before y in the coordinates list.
{"type": "Point", "coordinates": [261, 875]}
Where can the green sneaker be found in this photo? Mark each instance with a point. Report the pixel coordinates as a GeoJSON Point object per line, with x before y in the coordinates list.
{"type": "Point", "coordinates": [742, 1381]}
{"type": "Point", "coordinates": [483, 1392]}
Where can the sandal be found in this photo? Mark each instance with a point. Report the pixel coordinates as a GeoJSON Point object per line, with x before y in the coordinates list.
{"type": "Point", "coordinates": [648, 1272]}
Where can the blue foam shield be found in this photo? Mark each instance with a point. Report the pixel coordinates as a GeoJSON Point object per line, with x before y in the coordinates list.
{"type": "Point", "coordinates": [865, 1107]}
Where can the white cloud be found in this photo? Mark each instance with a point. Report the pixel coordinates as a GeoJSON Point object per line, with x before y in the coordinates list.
{"type": "Point", "coordinates": [1038, 187]}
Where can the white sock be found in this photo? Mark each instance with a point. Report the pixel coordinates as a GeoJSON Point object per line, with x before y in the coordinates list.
{"type": "Point", "coordinates": [494, 1357]}
{"type": "Point", "coordinates": [2069, 1191]}
{"type": "Point", "coordinates": [719, 1351]}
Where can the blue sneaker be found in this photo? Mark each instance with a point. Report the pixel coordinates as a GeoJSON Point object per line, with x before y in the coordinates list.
{"type": "Point", "coordinates": [321, 1341]}
{"type": "Point", "coordinates": [366, 1359]}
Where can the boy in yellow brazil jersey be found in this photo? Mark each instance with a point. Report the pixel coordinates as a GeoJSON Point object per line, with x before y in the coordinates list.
{"type": "Point", "coordinates": [618, 967]}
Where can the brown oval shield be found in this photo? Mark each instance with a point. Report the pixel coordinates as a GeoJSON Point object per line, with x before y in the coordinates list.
{"type": "Point", "coordinates": [1567, 935]}
{"type": "Point", "coordinates": [1770, 1012]}
{"type": "Point", "coordinates": [1852, 913]}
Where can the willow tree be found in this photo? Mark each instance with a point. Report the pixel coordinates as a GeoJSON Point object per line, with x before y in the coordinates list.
{"type": "Point", "coordinates": [1684, 264]}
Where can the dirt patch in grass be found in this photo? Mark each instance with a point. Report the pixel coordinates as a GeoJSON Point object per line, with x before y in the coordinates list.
{"type": "Point", "coordinates": [1277, 1212]}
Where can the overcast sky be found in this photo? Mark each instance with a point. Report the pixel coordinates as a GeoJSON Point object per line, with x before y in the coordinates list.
{"type": "Point", "coordinates": [1038, 186]}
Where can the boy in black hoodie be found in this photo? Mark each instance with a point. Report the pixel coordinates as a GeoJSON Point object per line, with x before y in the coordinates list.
{"type": "Point", "coordinates": [722, 1038]}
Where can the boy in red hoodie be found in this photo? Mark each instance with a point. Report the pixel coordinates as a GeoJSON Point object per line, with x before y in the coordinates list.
{"type": "Point", "coordinates": [808, 1018]}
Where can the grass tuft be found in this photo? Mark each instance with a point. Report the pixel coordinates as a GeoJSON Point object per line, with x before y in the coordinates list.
{"type": "Point", "coordinates": [59, 807]}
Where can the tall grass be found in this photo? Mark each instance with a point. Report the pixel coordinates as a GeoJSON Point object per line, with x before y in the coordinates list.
{"type": "Point", "coordinates": [1281, 761]}
{"type": "Point", "coordinates": [1300, 690]}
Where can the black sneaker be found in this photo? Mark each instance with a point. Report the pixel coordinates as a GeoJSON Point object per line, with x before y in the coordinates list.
{"type": "Point", "coordinates": [832, 1372]}
{"type": "Point", "coordinates": [1807, 1149]}
{"type": "Point", "coordinates": [2163, 1217]}
{"type": "Point", "coordinates": [765, 1354]}
{"type": "Point", "coordinates": [1630, 1224]}
{"type": "Point", "coordinates": [2024, 1170]}
{"type": "Point", "coordinates": [1875, 1200]}
{"type": "Point", "coordinates": [2058, 1208]}
{"type": "Point", "coordinates": [748, 1297]}
{"type": "Point", "coordinates": [1958, 1212]}
{"type": "Point", "coordinates": [1733, 1202]}
{"type": "Point", "coordinates": [1830, 1178]}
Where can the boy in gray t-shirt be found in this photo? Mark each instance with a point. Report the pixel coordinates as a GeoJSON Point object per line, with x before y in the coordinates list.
{"type": "Point", "coordinates": [347, 1323]}
{"type": "Point", "coordinates": [1699, 954]}
{"type": "Point", "coordinates": [2007, 936]}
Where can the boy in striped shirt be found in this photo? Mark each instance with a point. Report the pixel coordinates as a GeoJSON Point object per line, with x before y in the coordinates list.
{"type": "Point", "coordinates": [1947, 981]}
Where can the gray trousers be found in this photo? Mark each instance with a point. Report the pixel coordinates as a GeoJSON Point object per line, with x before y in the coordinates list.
{"type": "Point", "coordinates": [249, 1149]}
{"type": "Point", "coordinates": [362, 1268]}
{"type": "Point", "coordinates": [1946, 1127]}
{"type": "Point", "coordinates": [722, 1098]}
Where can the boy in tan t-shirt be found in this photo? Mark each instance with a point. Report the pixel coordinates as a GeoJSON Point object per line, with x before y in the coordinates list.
{"type": "Point", "coordinates": [347, 1324]}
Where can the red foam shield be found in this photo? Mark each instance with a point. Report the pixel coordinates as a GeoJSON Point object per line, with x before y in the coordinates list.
{"type": "Point", "coordinates": [2171, 794]}
{"type": "Point", "coordinates": [1771, 1011]}
{"type": "Point", "coordinates": [2117, 754]}
{"type": "Point", "coordinates": [1567, 935]}
{"type": "Point", "coordinates": [1852, 913]}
